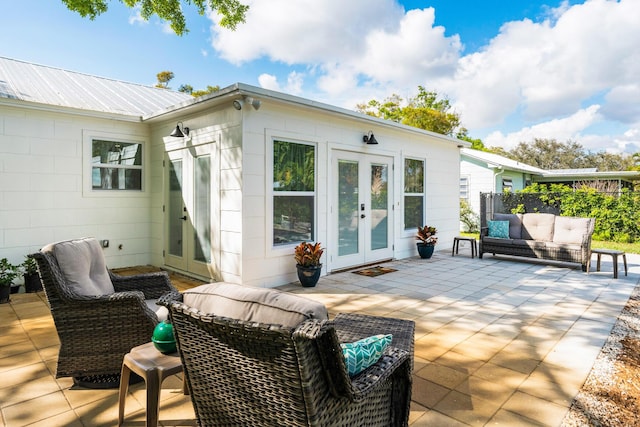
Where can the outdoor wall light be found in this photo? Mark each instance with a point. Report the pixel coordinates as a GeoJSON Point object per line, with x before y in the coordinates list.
{"type": "Point", "coordinates": [237, 104]}
{"type": "Point", "coordinates": [370, 139]}
{"type": "Point", "coordinates": [180, 133]}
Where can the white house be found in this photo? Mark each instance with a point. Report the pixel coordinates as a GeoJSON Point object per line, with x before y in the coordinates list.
{"type": "Point", "coordinates": [254, 173]}
{"type": "Point", "coordinates": [483, 172]}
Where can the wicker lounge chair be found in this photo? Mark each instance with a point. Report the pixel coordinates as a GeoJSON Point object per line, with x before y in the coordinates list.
{"type": "Point", "coordinates": [97, 326]}
{"type": "Point", "coordinates": [246, 372]}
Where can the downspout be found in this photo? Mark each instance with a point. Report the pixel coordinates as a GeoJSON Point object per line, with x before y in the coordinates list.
{"type": "Point", "coordinates": [495, 175]}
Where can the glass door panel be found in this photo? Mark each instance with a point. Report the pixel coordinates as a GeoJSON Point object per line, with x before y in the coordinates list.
{"type": "Point", "coordinates": [348, 207]}
{"type": "Point", "coordinates": [176, 210]}
{"type": "Point", "coordinates": [202, 209]}
{"type": "Point", "coordinates": [379, 206]}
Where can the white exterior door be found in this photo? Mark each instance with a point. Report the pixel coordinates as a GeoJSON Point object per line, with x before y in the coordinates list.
{"type": "Point", "coordinates": [361, 209]}
{"type": "Point", "coordinates": [188, 209]}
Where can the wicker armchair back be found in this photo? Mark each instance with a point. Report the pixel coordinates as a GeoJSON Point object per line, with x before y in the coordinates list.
{"type": "Point", "coordinates": [244, 373]}
{"type": "Point", "coordinates": [96, 332]}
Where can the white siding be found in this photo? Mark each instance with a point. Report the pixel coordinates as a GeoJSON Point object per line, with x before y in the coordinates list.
{"type": "Point", "coordinates": [43, 180]}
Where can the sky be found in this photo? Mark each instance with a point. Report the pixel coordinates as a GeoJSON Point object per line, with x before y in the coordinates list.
{"type": "Point", "coordinates": [514, 70]}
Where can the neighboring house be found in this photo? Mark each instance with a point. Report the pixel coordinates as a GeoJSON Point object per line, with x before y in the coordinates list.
{"type": "Point", "coordinates": [256, 173]}
{"type": "Point", "coordinates": [483, 172]}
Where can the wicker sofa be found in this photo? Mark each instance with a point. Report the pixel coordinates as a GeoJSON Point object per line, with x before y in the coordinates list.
{"type": "Point", "coordinates": [261, 357]}
{"type": "Point", "coordinates": [543, 236]}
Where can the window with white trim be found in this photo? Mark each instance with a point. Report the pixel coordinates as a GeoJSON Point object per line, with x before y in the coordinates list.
{"type": "Point", "coordinates": [413, 193]}
{"type": "Point", "coordinates": [294, 194]}
{"type": "Point", "coordinates": [116, 165]}
{"type": "Point", "coordinates": [464, 187]}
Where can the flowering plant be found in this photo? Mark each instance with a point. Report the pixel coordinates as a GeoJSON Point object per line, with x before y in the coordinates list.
{"type": "Point", "coordinates": [426, 235]}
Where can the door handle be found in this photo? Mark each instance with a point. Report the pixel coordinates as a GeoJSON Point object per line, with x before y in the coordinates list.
{"type": "Point", "coordinates": [184, 218]}
{"type": "Point", "coordinates": [362, 216]}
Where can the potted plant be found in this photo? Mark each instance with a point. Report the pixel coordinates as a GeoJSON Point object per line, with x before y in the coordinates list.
{"type": "Point", "coordinates": [426, 241]}
{"type": "Point", "coordinates": [308, 264]}
{"type": "Point", "coordinates": [8, 272]}
{"type": "Point", "coordinates": [30, 274]}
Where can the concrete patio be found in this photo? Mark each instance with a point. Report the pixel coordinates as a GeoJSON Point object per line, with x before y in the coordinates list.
{"type": "Point", "coordinates": [498, 342]}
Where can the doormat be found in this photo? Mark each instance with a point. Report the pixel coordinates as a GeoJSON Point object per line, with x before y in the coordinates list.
{"type": "Point", "coordinates": [375, 271]}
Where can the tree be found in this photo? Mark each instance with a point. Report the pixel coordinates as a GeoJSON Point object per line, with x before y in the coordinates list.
{"type": "Point", "coordinates": [233, 12]}
{"type": "Point", "coordinates": [208, 90]}
{"type": "Point", "coordinates": [551, 154]}
{"type": "Point", "coordinates": [164, 77]}
{"type": "Point", "coordinates": [425, 111]}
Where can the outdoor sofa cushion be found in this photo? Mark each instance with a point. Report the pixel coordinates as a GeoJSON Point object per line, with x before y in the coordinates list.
{"type": "Point", "coordinates": [83, 265]}
{"type": "Point", "coordinates": [570, 229]}
{"type": "Point", "coordinates": [361, 354]}
{"type": "Point", "coordinates": [254, 304]}
{"type": "Point", "coordinates": [515, 224]}
{"type": "Point", "coordinates": [498, 229]}
{"type": "Point", "coordinates": [538, 226]}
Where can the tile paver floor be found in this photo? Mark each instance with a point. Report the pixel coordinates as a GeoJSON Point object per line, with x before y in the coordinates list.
{"type": "Point", "coordinates": [498, 342]}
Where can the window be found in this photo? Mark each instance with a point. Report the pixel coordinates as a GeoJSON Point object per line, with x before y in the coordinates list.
{"type": "Point", "coordinates": [116, 165]}
{"type": "Point", "coordinates": [507, 184]}
{"type": "Point", "coordinates": [413, 193]}
{"type": "Point", "coordinates": [293, 192]}
{"type": "Point", "coordinates": [464, 187]}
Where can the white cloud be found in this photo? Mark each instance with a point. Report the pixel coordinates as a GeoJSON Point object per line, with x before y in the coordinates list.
{"type": "Point", "coordinates": [579, 55]}
{"type": "Point", "coordinates": [550, 68]}
{"type": "Point", "coordinates": [137, 18]}
{"type": "Point", "coordinates": [293, 86]}
{"type": "Point", "coordinates": [347, 42]}
{"type": "Point", "coordinates": [568, 128]}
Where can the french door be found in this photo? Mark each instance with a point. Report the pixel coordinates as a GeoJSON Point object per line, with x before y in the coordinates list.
{"type": "Point", "coordinates": [188, 209]}
{"type": "Point", "coordinates": [362, 209]}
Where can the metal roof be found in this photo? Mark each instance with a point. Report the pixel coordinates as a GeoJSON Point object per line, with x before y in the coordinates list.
{"type": "Point", "coordinates": [496, 160]}
{"type": "Point", "coordinates": [46, 85]}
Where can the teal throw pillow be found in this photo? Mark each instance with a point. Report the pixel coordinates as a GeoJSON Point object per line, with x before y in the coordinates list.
{"type": "Point", "coordinates": [499, 229]}
{"type": "Point", "coordinates": [361, 354]}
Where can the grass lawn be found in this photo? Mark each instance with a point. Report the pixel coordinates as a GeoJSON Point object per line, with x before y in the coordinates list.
{"type": "Point", "coordinates": [630, 248]}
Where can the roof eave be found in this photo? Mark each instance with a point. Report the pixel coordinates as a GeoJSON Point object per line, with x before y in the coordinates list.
{"type": "Point", "coordinates": [18, 103]}
{"type": "Point", "coordinates": [238, 90]}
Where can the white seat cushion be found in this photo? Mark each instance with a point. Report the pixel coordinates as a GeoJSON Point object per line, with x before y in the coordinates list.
{"type": "Point", "coordinates": [571, 230]}
{"type": "Point", "coordinates": [83, 265]}
{"type": "Point", "coordinates": [538, 226]}
{"type": "Point", "coordinates": [254, 304]}
{"type": "Point", "coordinates": [160, 310]}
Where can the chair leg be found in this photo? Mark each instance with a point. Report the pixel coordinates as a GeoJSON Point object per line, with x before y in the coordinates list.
{"type": "Point", "coordinates": [614, 258]}
{"type": "Point", "coordinates": [624, 258]}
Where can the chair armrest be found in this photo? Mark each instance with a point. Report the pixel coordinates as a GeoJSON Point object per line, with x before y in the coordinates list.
{"type": "Point", "coordinates": [484, 231]}
{"type": "Point", "coordinates": [152, 285]}
{"type": "Point", "coordinates": [392, 359]}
